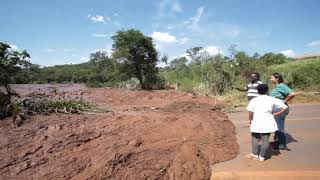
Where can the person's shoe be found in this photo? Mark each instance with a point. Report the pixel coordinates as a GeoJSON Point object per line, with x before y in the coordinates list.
{"type": "Point", "coordinates": [282, 147]}
{"type": "Point", "coordinates": [253, 156]}
{"type": "Point", "coordinates": [275, 145]}
{"type": "Point", "coordinates": [276, 148]}
{"type": "Point", "coordinates": [261, 159]}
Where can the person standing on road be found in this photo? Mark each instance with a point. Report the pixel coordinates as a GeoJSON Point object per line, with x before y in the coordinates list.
{"type": "Point", "coordinates": [262, 111]}
{"type": "Point", "coordinates": [283, 92]}
{"type": "Point", "coordinates": [252, 86]}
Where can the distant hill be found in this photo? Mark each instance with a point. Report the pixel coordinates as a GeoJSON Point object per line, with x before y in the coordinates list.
{"type": "Point", "coordinates": [308, 56]}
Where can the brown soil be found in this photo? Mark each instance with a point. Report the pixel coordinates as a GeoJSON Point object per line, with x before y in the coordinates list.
{"type": "Point", "coordinates": [162, 134]}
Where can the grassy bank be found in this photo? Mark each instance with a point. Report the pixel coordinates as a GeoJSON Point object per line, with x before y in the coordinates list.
{"type": "Point", "coordinates": [302, 75]}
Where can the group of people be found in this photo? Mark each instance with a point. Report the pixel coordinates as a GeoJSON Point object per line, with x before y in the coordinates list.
{"type": "Point", "coordinates": [267, 113]}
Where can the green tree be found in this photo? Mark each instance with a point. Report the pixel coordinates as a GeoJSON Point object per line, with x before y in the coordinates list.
{"type": "Point", "coordinates": [256, 56]}
{"type": "Point", "coordinates": [137, 55]}
{"type": "Point", "coordinates": [271, 59]}
{"type": "Point", "coordinates": [178, 62]}
{"type": "Point", "coordinates": [195, 53]}
{"type": "Point", "coordinates": [180, 68]}
{"type": "Point", "coordinates": [215, 74]}
{"type": "Point", "coordinates": [104, 69]}
{"type": "Point", "coordinates": [233, 51]}
{"type": "Point", "coordinates": [10, 63]}
{"type": "Point", "coordinates": [244, 64]}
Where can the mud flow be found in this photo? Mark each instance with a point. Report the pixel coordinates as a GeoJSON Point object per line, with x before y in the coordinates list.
{"type": "Point", "coordinates": [161, 134]}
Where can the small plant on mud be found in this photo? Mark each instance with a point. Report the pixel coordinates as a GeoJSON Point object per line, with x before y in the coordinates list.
{"type": "Point", "coordinates": [62, 105]}
{"type": "Point", "coordinates": [20, 109]}
{"type": "Point", "coordinates": [133, 83]}
{"type": "Point", "coordinates": [204, 141]}
{"type": "Point", "coordinates": [163, 169]}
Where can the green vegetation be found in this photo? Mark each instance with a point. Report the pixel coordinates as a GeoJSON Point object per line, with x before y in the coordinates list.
{"type": "Point", "coordinates": [301, 74]}
{"type": "Point", "coordinates": [200, 73]}
{"type": "Point", "coordinates": [134, 57]}
{"type": "Point", "coordinates": [137, 55]}
{"type": "Point", "coordinates": [307, 97]}
{"type": "Point", "coordinates": [13, 65]}
{"type": "Point", "coordinates": [61, 105]}
{"type": "Point", "coordinates": [219, 75]}
{"type": "Point", "coordinates": [10, 64]}
{"type": "Point", "coordinates": [133, 65]}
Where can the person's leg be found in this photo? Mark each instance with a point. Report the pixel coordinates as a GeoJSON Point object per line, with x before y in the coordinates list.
{"type": "Point", "coordinates": [282, 140]}
{"type": "Point", "coordinates": [265, 144]}
{"type": "Point", "coordinates": [280, 134]}
{"type": "Point", "coordinates": [254, 142]}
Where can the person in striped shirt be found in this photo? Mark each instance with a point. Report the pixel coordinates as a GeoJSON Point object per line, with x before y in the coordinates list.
{"type": "Point", "coordinates": [251, 88]}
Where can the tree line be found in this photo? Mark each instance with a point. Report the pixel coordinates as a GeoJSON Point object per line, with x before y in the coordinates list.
{"type": "Point", "coordinates": [134, 61]}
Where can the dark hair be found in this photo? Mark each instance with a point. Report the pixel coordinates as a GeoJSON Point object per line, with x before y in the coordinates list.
{"type": "Point", "coordinates": [278, 76]}
{"type": "Point", "coordinates": [256, 74]}
{"type": "Point", "coordinates": [262, 89]}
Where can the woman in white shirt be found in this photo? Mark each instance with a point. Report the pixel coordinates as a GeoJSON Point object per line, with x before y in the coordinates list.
{"type": "Point", "coordinates": [262, 110]}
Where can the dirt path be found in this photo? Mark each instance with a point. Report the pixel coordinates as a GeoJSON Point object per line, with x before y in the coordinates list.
{"type": "Point", "coordinates": [152, 135]}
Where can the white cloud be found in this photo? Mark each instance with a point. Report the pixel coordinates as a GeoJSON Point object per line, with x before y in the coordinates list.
{"type": "Point", "coordinates": [260, 36]}
{"type": "Point", "coordinates": [163, 37]}
{"type": "Point", "coordinates": [98, 18]}
{"type": "Point", "coordinates": [84, 59]}
{"type": "Point", "coordinates": [193, 22]}
{"type": "Point", "coordinates": [184, 40]}
{"type": "Point", "coordinates": [170, 27]}
{"type": "Point", "coordinates": [288, 53]}
{"type": "Point", "coordinates": [176, 7]}
{"type": "Point", "coordinates": [14, 47]}
{"type": "Point", "coordinates": [68, 50]}
{"type": "Point", "coordinates": [232, 33]}
{"type": "Point", "coordinates": [169, 6]}
{"type": "Point", "coordinates": [50, 50]}
{"type": "Point", "coordinates": [159, 47]}
{"type": "Point", "coordinates": [162, 6]}
{"type": "Point", "coordinates": [101, 35]}
{"type": "Point", "coordinates": [117, 24]}
{"type": "Point", "coordinates": [314, 43]}
{"type": "Point", "coordinates": [109, 51]}
{"type": "Point", "coordinates": [212, 50]}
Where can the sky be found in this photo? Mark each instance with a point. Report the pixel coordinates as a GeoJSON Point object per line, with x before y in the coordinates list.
{"type": "Point", "coordinates": [58, 32]}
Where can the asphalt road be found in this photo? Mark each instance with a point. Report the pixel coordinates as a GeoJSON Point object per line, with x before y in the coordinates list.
{"type": "Point", "coordinates": [303, 128]}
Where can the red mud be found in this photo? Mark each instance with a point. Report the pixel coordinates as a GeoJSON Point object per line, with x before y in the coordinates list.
{"type": "Point", "coordinates": [163, 134]}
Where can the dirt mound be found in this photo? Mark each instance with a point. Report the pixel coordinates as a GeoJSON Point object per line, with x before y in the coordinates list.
{"type": "Point", "coordinates": [152, 135]}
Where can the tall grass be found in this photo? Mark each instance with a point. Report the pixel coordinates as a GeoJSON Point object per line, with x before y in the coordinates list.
{"type": "Point", "coordinates": [301, 75]}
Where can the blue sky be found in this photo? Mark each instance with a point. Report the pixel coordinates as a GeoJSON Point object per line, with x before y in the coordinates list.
{"type": "Point", "coordinates": [67, 31]}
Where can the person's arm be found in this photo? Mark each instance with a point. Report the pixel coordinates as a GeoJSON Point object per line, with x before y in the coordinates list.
{"type": "Point", "coordinates": [279, 112]}
{"type": "Point", "coordinates": [250, 116]}
{"type": "Point", "coordinates": [289, 97]}
{"type": "Point", "coordinates": [250, 108]}
{"type": "Point", "coordinates": [240, 89]}
{"type": "Point", "coordinates": [278, 104]}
